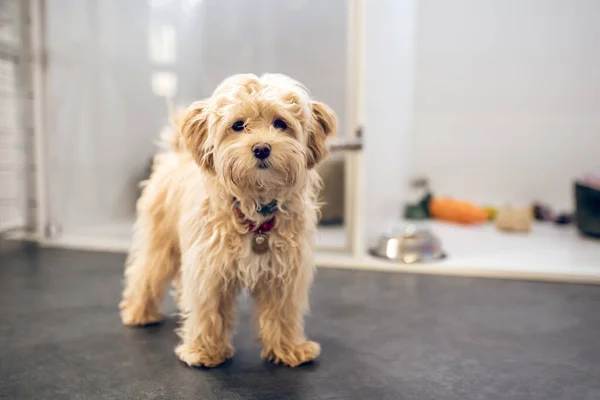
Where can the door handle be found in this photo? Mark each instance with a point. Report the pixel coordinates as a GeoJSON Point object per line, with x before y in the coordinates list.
{"type": "Point", "coordinates": [354, 144]}
{"type": "Point", "coordinates": [346, 145]}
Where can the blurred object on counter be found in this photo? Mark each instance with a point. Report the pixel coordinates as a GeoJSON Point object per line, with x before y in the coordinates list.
{"type": "Point", "coordinates": [564, 218]}
{"type": "Point", "coordinates": [587, 209]}
{"type": "Point", "coordinates": [511, 219]}
{"type": "Point", "coordinates": [453, 210]}
{"type": "Point", "coordinates": [416, 208]}
{"type": "Point", "coordinates": [491, 212]}
{"type": "Point", "coordinates": [542, 212]}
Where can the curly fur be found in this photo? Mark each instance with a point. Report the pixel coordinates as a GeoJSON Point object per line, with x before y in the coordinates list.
{"type": "Point", "coordinates": [187, 232]}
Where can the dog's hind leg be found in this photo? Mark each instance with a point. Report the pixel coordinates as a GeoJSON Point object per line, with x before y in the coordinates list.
{"type": "Point", "coordinates": [152, 263]}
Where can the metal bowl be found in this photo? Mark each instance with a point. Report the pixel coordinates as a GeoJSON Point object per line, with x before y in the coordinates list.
{"type": "Point", "coordinates": [412, 245]}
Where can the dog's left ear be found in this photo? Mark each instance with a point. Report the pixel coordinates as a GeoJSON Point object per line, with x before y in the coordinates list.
{"type": "Point", "coordinates": [323, 125]}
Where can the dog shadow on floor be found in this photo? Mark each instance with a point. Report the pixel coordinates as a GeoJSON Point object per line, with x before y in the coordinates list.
{"type": "Point", "coordinates": [340, 372]}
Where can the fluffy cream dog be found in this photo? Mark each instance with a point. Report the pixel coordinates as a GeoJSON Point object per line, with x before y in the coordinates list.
{"type": "Point", "coordinates": [232, 206]}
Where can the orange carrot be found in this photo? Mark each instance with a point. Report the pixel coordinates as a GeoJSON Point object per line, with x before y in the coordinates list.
{"type": "Point", "coordinates": [458, 211]}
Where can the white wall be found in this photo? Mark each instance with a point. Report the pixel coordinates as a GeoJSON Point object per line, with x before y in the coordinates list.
{"type": "Point", "coordinates": [507, 97]}
{"type": "Point", "coordinates": [388, 112]}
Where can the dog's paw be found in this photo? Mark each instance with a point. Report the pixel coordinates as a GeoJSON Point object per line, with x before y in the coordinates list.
{"type": "Point", "coordinates": [292, 356]}
{"type": "Point", "coordinates": [139, 316]}
{"type": "Point", "coordinates": [197, 356]}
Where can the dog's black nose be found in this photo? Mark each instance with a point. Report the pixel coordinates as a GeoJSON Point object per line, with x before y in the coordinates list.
{"type": "Point", "coordinates": [261, 150]}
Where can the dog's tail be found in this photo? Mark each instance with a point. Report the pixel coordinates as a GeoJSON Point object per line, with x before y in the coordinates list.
{"type": "Point", "coordinates": [171, 137]}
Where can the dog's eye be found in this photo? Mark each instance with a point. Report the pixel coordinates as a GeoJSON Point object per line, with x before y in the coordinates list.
{"type": "Point", "coordinates": [238, 126]}
{"type": "Point", "coordinates": [280, 124]}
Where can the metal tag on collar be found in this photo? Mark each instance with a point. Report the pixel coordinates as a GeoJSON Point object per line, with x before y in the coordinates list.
{"type": "Point", "coordinates": [260, 243]}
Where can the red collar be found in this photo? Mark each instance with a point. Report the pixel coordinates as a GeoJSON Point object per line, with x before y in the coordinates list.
{"type": "Point", "coordinates": [263, 228]}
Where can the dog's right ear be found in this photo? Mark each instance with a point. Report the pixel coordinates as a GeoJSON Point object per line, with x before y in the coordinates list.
{"type": "Point", "coordinates": [194, 130]}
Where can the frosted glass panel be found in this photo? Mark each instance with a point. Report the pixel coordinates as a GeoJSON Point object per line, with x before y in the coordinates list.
{"type": "Point", "coordinates": [112, 64]}
{"type": "Point", "coordinates": [13, 141]}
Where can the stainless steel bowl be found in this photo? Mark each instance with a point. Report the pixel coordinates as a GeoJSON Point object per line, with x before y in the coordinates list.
{"type": "Point", "coordinates": [412, 245]}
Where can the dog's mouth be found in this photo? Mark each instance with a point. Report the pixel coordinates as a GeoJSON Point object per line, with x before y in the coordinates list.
{"type": "Point", "coordinates": [263, 164]}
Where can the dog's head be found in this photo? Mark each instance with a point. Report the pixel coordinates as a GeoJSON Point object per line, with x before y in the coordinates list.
{"type": "Point", "coordinates": [258, 135]}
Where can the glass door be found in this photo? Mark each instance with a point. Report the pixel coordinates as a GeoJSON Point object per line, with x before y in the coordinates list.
{"type": "Point", "coordinates": [114, 66]}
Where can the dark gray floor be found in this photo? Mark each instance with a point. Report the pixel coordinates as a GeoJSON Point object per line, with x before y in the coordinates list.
{"type": "Point", "coordinates": [384, 336]}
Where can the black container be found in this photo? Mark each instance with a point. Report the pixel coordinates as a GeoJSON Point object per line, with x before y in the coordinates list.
{"type": "Point", "coordinates": [587, 210]}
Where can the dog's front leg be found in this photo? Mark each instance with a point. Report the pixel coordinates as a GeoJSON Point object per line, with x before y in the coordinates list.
{"type": "Point", "coordinates": [280, 308]}
{"type": "Point", "coordinates": [209, 313]}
